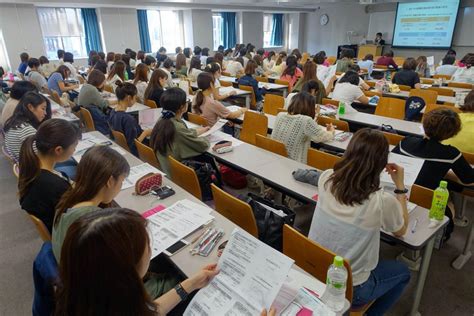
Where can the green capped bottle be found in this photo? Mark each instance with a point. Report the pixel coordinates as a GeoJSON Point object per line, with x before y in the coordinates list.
{"type": "Point", "coordinates": [440, 201]}
{"type": "Point", "coordinates": [342, 108]}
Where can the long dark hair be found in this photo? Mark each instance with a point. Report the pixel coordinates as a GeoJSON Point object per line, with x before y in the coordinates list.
{"type": "Point", "coordinates": [98, 268]}
{"type": "Point", "coordinates": [195, 63]}
{"type": "Point", "coordinates": [64, 71]}
{"type": "Point", "coordinates": [22, 113]}
{"type": "Point", "coordinates": [357, 175]}
{"type": "Point", "coordinates": [125, 89]}
{"type": "Point", "coordinates": [163, 134]}
{"type": "Point", "coordinates": [118, 69]}
{"type": "Point", "coordinates": [141, 73]}
{"type": "Point", "coordinates": [309, 71]}
{"type": "Point", "coordinates": [180, 61]}
{"type": "Point", "coordinates": [96, 167]}
{"type": "Point", "coordinates": [205, 80]}
{"type": "Point", "coordinates": [51, 134]}
{"type": "Point", "coordinates": [155, 82]}
{"type": "Point", "coordinates": [291, 65]}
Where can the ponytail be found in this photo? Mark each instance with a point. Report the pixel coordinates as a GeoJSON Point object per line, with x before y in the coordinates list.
{"type": "Point", "coordinates": [29, 165]}
{"type": "Point", "coordinates": [205, 81]}
{"type": "Point", "coordinates": [199, 100]}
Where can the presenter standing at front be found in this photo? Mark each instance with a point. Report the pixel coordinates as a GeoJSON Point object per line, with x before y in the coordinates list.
{"type": "Point", "coordinates": [378, 39]}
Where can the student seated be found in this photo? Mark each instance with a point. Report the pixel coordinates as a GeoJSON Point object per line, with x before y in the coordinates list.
{"type": "Point", "coordinates": [171, 136]}
{"type": "Point", "coordinates": [204, 55]}
{"type": "Point", "coordinates": [116, 74]}
{"type": "Point", "coordinates": [322, 71]}
{"type": "Point", "coordinates": [279, 66]}
{"type": "Point", "coordinates": [161, 56]}
{"type": "Point", "coordinates": [68, 62]}
{"type": "Point", "coordinates": [128, 69]}
{"type": "Point", "coordinates": [258, 59]}
{"type": "Point", "coordinates": [352, 208]}
{"type": "Point", "coordinates": [150, 61]}
{"type": "Point", "coordinates": [346, 56]}
{"type": "Point", "coordinates": [35, 77]}
{"type": "Point", "coordinates": [46, 68]}
{"type": "Point", "coordinates": [215, 70]}
{"type": "Point", "coordinates": [155, 87]}
{"type": "Point", "coordinates": [362, 84]}
{"type": "Point", "coordinates": [100, 65]}
{"type": "Point", "coordinates": [249, 80]}
{"type": "Point", "coordinates": [110, 60]}
{"type": "Point", "coordinates": [206, 106]}
{"type": "Point", "coordinates": [181, 68]}
{"type": "Point", "coordinates": [463, 140]}
{"type": "Point", "coordinates": [292, 73]}
{"type": "Point", "coordinates": [56, 82]}
{"type": "Point", "coordinates": [194, 68]}
{"type": "Point", "coordinates": [121, 121]}
{"type": "Point", "coordinates": [297, 128]}
{"type": "Point", "coordinates": [19, 89]}
{"type": "Point", "coordinates": [188, 54]}
{"type": "Point", "coordinates": [269, 61]}
{"type": "Point", "coordinates": [28, 115]}
{"type": "Point", "coordinates": [448, 67]}
{"type": "Point", "coordinates": [408, 76]}
{"type": "Point", "coordinates": [219, 59]}
{"type": "Point", "coordinates": [387, 60]}
{"type": "Point", "coordinates": [367, 63]}
{"type": "Point", "coordinates": [309, 74]}
{"type": "Point", "coordinates": [312, 87]}
{"type": "Point", "coordinates": [465, 74]}
{"type": "Point", "coordinates": [347, 90]}
{"type": "Point", "coordinates": [141, 81]}
{"type": "Point", "coordinates": [40, 186]}
{"type": "Point", "coordinates": [235, 67]}
{"type": "Point", "coordinates": [167, 67]}
{"type": "Point", "coordinates": [422, 67]}
{"type": "Point", "coordinates": [24, 57]}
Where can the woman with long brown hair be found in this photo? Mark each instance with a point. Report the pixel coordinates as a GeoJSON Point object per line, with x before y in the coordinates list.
{"type": "Point", "coordinates": [156, 85]}
{"type": "Point", "coordinates": [181, 68]}
{"type": "Point", "coordinates": [309, 73]}
{"type": "Point", "coordinates": [352, 208]}
{"type": "Point", "coordinates": [141, 81]}
{"type": "Point", "coordinates": [117, 73]}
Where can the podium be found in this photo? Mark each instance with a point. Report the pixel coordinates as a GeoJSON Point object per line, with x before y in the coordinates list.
{"type": "Point", "coordinates": [375, 50]}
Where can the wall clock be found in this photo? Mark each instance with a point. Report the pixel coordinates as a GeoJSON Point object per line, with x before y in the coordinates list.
{"type": "Point", "coordinates": [324, 19]}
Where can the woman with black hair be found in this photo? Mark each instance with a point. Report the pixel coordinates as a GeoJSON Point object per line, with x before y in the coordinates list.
{"type": "Point", "coordinates": [347, 90]}
{"type": "Point", "coordinates": [291, 73]}
{"type": "Point", "coordinates": [19, 89]}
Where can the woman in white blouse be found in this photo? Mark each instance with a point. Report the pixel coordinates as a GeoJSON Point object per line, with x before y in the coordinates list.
{"type": "Point", "coordinates": [141, 81]}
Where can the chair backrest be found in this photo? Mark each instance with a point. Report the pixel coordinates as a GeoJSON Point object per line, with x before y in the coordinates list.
{"type": "Point", "coordinates": [55, 97]}
{"type": "Point", "coordinates": [429, 96]}
{"type": "Point", "coordinates": [227, 74]}
{"type": "Point", "coordinates": [147, 154]}
{"type": "Point", "coordinates": [426, 81]}
{"type": "Point", "coordinates": [120, 139]}
{"type": "Point", "coordinates": [391, 107]}
{"type": "Point", "coordinates": [109, 88]}
{"type": "Point", "coordinates": [185, 177]}
{"type": "Point", "coordinates": [272, 103]}
{"type": "Point", "coordinates": [261, 79]}
{"type": "Point", "coordinates": [421, 196]}
{"type": "Point", "coordinates": [270, 144]}
{"type": "Point", "coordinates": [151, 104]}
{"type": "Point", "coordinates": [315, 259]}
{"type": "Point", "coordinates": [253, 101]}
{"type": "Point", "coordinates": [41, 227]}
{"type": "Point", "coordinates": [331, 59]}
{"type": "Point", "coordinates": [304, 58]}
{"type": "Point", "coordinates": [283, 82]}
{"type": "Point", "coordinates": [393, 139]}
{"type": "Point", "coordinates": [447, 77]}
{"type": "Point", "coordinates": [197, 119]}
{"type": "Point", "coordinates": [443, 91]}
{"type": "Point", "coordinates": [330, 101]}
{"type": "Point", "coordinates": [16, 170]}
{"type": "Point", "coordinates": [87, 119]}
{"type": "Point", "coordinates": [404, 87]}
{"type": "Point", "coordinates": [235, 210]}
{"type": "Point", "coordinates": [399, 60]}
{"type": "Point", "coordinates": [370, 83]}
{"type": "Point", "coordinates": [380, 66]}
{"type": "Point", "coordinates": [281, 110]}
{"type": "Point", "coordinates": [371, 93]}
{"type": "Point", "coordinates": [225, 83]}
{"type": "Point", "coordinates": [460, 85]}
{"type": "Point", "coordinates": [431, 107]}
{"type": "Point", "coordinates": [321, 160]}
{"type": "Point", "coordinates": [469, 157]}
{"type": "Point", "coordinates": [253, 124]}
{"type": "Point", "coordinates": [340, 125]}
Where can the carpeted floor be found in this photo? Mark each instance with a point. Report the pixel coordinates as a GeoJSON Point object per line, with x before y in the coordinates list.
{"type": "Point", "coordinates": [447, 291]}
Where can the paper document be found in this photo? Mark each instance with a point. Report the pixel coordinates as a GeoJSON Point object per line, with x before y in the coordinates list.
{"type": "Point", "coordinates": [137, 107]}
{"type": "Point", "coordinates": [174, 223]}
{"type": "Point", "coordinates": [233, 108]}
{"type": "Point", "coordinates": [88, 141]}
{"type": "Point", "coordinates": [411, 165]}
{"type": "Point", "coordinates": [251, 275]}
{"type": "Point", "coordinates": [136, 173]}
{"type": "Point", "coordinates": [309, 301]}
{"type": "Point", "coordinates": [148, 118]}
{"type": "Point", "coordinates": [224, 90]}
{"type": "Point", "coordinates": [217, 127]}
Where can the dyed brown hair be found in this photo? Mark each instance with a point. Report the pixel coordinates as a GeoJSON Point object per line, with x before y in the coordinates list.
{"type": "Point", "coordinates": [180, 61]}
{"type": "Point", "coordinates": [141, 73]}
{"type": "Point", "coordinates": [303, 103]}
{"type": "Point", "coordinates": [409, 64]}
{"type": "Point", "coordinates": [204, 81]}
{"type": "Point", "coordinates": [118, 69]}
{"type": "Point", "coordinates": [309, 71]}
{"type": "Point", "coordinates": [250, 68]}
{"type": "Point", "coordinates": [441, 124]}
{"type": "Point", "coordinates": [96, 78]}
{"type": "Point", "coordinates": [64, 71]}
{"type": "Point", "coordinates": [155, 81]}
{"type": "Point", "coordinates": [468, 103]}
{"type": "Point", "coordinates": [110, 56]}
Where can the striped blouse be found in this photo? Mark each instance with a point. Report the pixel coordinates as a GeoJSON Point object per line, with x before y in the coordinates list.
{"type": "Point", "coordinates": [14, 138]}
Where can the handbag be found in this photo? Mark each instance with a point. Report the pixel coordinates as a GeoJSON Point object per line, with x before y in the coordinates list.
{"type": "Point", "coordinates": [206, 176]}
{"type": "Point", "coordinates": [270, 219]}
{"type": "Point", "coordinates": [148, 182]}
{"type": "Point", "coordinates": [387, 129]}
{"type": "Point", "coordinates": [233, 178]}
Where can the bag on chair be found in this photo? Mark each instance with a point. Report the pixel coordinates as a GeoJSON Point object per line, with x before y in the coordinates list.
{"type": "Point", "coordinates": [233, 178]}
{"type": "Point", "coordinates": [206, 176]}
{"type": "Point", "coordinates": [413, 108]}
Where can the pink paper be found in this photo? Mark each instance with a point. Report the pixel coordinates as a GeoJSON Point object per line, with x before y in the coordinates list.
{"type": "Point", "coordinates": [315, 197]}
{"type": "Point", "coordinates": [154, 210]}
{"type": "Point", "coordinates": [305, 312]}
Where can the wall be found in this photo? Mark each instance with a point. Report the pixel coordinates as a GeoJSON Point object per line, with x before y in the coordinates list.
{"type": "Point", "coordinates": [295, 31]}
{"type": "Point", "coordinates": [251, 22]}
{"type": "Point", "coordinates": [202, 28]}
{"type": "Point", "coordinates": [120, 29]}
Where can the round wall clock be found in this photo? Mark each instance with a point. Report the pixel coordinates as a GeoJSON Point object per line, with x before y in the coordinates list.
{"type": "Point", "coordinates": [324, 19]}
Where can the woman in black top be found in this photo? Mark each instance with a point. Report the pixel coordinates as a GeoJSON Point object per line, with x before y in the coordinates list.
{"type": "Point", "coordinates": [40, 186]}
{"type": "Point", "coordinates": [154, 90]}
{"type": "Point", "coordinates": [408, 76]}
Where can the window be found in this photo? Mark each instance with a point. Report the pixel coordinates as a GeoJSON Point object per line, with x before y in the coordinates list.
{"type": "Point", "coordinates": [267, 29]}
{"type": "Point", "coordinates": [217, 22]}
{"type": "Point", "coordinates": [165, 30]}
{"type": "Point", "coordinates": [62, 28]}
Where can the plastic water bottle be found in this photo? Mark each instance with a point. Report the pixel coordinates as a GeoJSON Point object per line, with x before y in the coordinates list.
{"type": "Point", "coordinates": [342, 108]}
{"type": "Point", "coordinates": [440, 200]}
{"type": "Point", "coordinates": [335, 294]}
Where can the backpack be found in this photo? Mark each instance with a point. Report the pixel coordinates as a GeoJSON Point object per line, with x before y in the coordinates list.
{"type": "Point", "coordinates": [206, 176]}
{"type": "Point", "coordinates": [413, 107]}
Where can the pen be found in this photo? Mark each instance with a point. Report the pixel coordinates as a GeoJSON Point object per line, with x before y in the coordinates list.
{"type": "Point", "coordinates": [199, 236]}
{"type": "Point", "coordinates": [413, 228]}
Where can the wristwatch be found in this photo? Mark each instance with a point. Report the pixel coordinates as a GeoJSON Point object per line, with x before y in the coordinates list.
{"type": "Point", "coordinates": [181, 292]}
{"type": "Point", "coordinates": [404, 191]}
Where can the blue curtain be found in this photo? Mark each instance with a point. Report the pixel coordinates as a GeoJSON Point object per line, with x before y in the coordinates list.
{"type": "Point", "coordinates": [91, 29]}
{"type": "Point", "coordinates": [143, 30]}
{"type": "Point", "coordinates": [229, 33]}
{"type": "Point", "coordinates": [277, 30]}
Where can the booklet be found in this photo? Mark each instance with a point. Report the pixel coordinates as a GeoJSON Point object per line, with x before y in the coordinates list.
{"type": "Point", "coordinates": [138, 171]}
{"type": "Point", "coordinates": [251, 275]}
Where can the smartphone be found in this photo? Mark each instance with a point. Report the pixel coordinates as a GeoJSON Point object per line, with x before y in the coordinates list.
{"type": "Point", "coordinates": [163, 192]}
{"type": "Point", "coordinates": [176, 247]}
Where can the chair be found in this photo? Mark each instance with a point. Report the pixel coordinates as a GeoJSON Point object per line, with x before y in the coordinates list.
{"type": "Point", "coordinates": [340, 125]}
{"type": "Point", "coordinates": [270, 144]}
{"type": "Point", "coordinates": [321, 160]}
{"type": "Point", "coordinates": [430, 96]}
{"type": "Point", "coordinates": [227, 74]}
{"type": "Point", "coordinates": [404, 87]}
{"type": "Point", "coordinates": [235, 210]}
{"type": "Point", "coordinates": [185, 177]}
{"type": "Point", "coordinates": [393, 139]}
{"type": "Point", "coordinates": [330, 101]}
{"type": "Point", "coordinates": [447, 77]}
{"type": "Point", "coordinates": [151, 104]}
{"type": "Point", "coordinates": [225, 83]}
{"type": "Point", "coordinates": [304, 58]}
{"type": "Point", "coordinates": [380, 66]}
{"type": "Point", "coordinates": [261, 79]}
{"type": "Point", "coordinates": [109, 88]}
{"type": "Point", "coordinates": [399, 60]}
{"type": "Point", "coordinates": [147, 154]}
{"type": "Point", "coordinates": [426, 81]}
{"type": "Point", "coordinates": [371, 93]}
{"type": "Point", "coordinates": [272, 103]}
{"type": "Point", "coordinates": [370, 83]}
{"type": "Point", "coordinates": [460, 85]}
{"type": "Point", "coordinates": [41, 227]}
{"type": "Point", "coordinates": [120, 139]}
{"type": "Point", "coordinates": [16, 170]}
{"type": "Point", "coordinates": [197, 119]}
{"type": "Point", "coordinates": [55, 97]}
{"type": "Point", "coordinates": [421, 196]}
{"type": "Point", "coordinates": [282, 82]}
{"type": "Point", "coordinates": [281, 110]}
{"type": "Point", "coordinates": [469, 157]}
{"type": "Point", "coordinates": [87, 118]}
{"type": "Point", "coordinates": [253, 101]}
{"type": "Point", "coordinates": [443, 91]}
{"type": "Point", "coordinates": [331, 59]}
{"type": "Point", "coordinates": [338, 73]}
{"type": "Point", "coordinates": [253, 124]}
{"type": "Point", "coordinates": [391, 107]}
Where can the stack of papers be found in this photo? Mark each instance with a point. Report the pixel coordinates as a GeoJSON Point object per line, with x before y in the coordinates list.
{"type": "Point", "coordinates": [88, 141]}
{"type": "Point", "coordinates": [411, 165]}
{"type": "Point", "coordinates": [148, 118]}
{"type": "Point", "coordinates": [137, 172]}
{"type": "Point", "coordinates": [217, 127]}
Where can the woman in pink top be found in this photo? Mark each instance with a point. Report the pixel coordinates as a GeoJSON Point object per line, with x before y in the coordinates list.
{"type": "Point", "coordinates": [291, 73]}
{"type": "Point", "coordinates": [206, 106]}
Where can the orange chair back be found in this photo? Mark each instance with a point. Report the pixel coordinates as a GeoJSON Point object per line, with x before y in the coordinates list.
{"type": "Point", "coordinates": [447, 77]}
{"type": "Point", "coordinates": [146, 153]}
{"type": "Point", "coordinates": [371, 93]}
{"type": "Point", "coordinates": [330, 101]}
{"type": "Point", "coordinates": [430, 96]}
{"type": "Point", "coordinates": [197, 119]}
{"type": "Point", "coordinates": [421, 196]}
{"type": "Point", "coordinates": [443, 91]}
{"type": "Point", "coordinates": [331, 59]}
{"type": "Point", "coordinates": [404, 87]}
{"type": "Point", "coordinates": [225, 83]}
{"type": "Point", "coordinates": [321, 160]}
{"type": "Point", "coordinates": [281, 110]}
{"type": "Point", "coordinates": [399, 60]}
{"type": "Point", "coordinates": [87, 119]}
{"type": "Point", "coordinates": [461, 85]}
{"type": "Point", "coordinates": [270, 144]}
{"type": "Point", "coordinates": [235, 210]}
{"type": "Point", "coordinates": [41, 228]}
{"type": "Point", "coordinates": [304, 58]}
{"type": "Point", "coordinates": [185, 177]}
{"type": "Point", "coordinates": [340, 125]}
{"type": "Point", "coordinates": [253, 101]}
{"type": "Point", "coordinates": [391, 107]}
{"type": "Point", "coordinates": [393, 139]}
{"type": "Point", "coordinates": [282, 82]}
{"type": "Point", "coordinates": [370, 83]}
{"type": "Point", "coordinates": [55, 97]}
{"type": "Point", "coordinates": [109, 88]}
{"type": "Point", "coordinates": [427, 81]}
{"type": "Point", "coordinates": [253, 124]}
{"type": "Point", "coordinates": [151, 104]}
{"type": "Point", "coordinates": [120, 139]}
{"type": "Point", "coordinates": [272, 103]}
{"type": "Point", "coordinates": [469, 157]}
{"type": "Point", "coordinates": [261, 79]}
{"type": "Point", "coordinates": [381, 66]}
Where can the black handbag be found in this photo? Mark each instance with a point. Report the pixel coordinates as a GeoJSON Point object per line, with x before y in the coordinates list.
{"type": "Point", "coordinates": [387, 129]}
{"type": "Point", "coordinates": [269, 224]}
{"type": "Point", "coordinates": [206, 176]}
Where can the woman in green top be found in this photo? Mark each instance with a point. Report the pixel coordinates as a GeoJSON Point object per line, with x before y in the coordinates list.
{"type": "Point", "coordinates": [171, 137]}
{"type": "Point", "coordinates": [343, 64]}
{"type": "Point", "coordinates": [309, 73]}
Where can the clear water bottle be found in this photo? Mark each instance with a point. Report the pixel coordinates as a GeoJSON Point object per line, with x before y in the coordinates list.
{"type": "Point", "coordinates": [335, 294]}
{"type": "Point", "coordinates": [439, 202]}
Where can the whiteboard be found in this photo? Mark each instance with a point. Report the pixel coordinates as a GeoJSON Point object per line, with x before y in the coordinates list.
{"type": "Point", "coordinates": [463, 33]}
{"type": "Point", "coordinates": [381, 22]}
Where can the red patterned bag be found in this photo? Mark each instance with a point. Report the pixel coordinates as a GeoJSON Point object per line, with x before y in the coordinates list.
{"type": "Point", "coordinates": [148, 182]}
